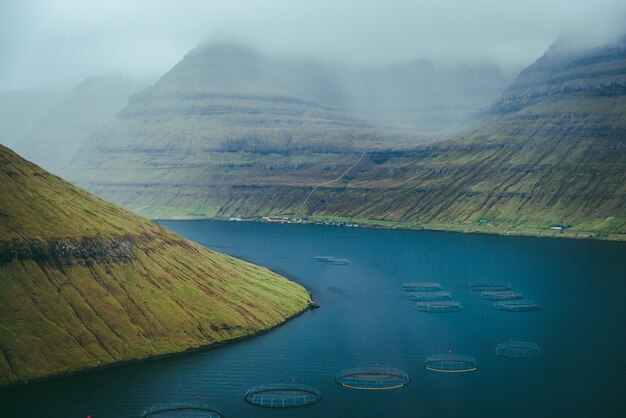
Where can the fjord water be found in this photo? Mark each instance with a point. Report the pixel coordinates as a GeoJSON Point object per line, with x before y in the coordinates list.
{"type": "Point", "coordinates": [365, 319]}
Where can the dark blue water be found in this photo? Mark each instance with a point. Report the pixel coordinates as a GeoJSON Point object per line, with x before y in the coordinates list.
{"type": "Point", "coordinates": [365, 319]}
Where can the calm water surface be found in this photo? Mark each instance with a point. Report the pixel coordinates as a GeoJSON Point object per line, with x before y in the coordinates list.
{"type": "Point", "coordinates": [365, 319]}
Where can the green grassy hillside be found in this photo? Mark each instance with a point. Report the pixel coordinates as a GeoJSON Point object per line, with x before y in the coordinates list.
{"type": "Point", "coordinates": [550, 151]}
{"type": "Point", "coordinates": [85, 283]}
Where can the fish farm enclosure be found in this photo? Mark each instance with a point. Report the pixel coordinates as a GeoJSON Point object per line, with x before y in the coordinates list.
{"type": "Point", "coordinates": [518, 306]}
{"type": "Point", "coordinates": [451, 363]}
{"type": "Point", "coordinates": [421, 287]}
{"type": "Point", "coordinates": [517, 349]}
{"type": "Point", "coordinates": [439, 307]}
{"type": "Point", "coordinates": [430, 296]}
{"type": "Point", "coordinates": [281, 395]}
{"type": "Point", "coordinates": [372, 378]}
{"type": "Point", "coordinates": [501, 295]}
{"type": "Point", "coordinates": [365, 318]}
{"type": "Point", "coordinates": [182, 410]}
{"type": "Point", "coordinates": [489, 287]}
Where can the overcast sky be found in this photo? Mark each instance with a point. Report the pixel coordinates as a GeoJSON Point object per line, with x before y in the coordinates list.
{"type": "Point", "coordinates": [63, 41]}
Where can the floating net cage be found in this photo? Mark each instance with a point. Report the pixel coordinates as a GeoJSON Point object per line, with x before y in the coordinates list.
{"type": "Point", "coordinates": [331, 260]}
{"type": "Point", "coordinates": [430, 296]}
{"type": "Point", "coordinates": [501, 295]}
{"type": "Point", "coordinates": [439, 306]}
{"type": "Point", "coordinates": [372, 378]}
{"type": "Point", "coordinates": [282, 395]}
{"type": "Point", "coordinates": [517, 349]}
{"type": "Point", "coordinates": [518, 306]}
{"type": "Point", "coordinates": [421, 287]}
{"type": "Point", "coordinates": [451, 363]}
{"type": "Point", "coordinates": [182, 410]}
{"type": "Point", "coordinates": [489, 287]}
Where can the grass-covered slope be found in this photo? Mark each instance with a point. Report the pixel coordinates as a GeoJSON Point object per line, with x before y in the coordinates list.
{"type": "Point", "coordinates": [84, 283]}
{"type": "Point", "coordinates": [551, 151]}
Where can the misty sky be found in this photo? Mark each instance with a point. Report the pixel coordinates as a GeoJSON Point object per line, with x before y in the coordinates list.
{"type": "Point", "coordinates": [63, 41]}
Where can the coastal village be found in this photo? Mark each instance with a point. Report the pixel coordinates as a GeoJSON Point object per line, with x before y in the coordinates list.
{"type": "Point", "coordinates": [284, 219]}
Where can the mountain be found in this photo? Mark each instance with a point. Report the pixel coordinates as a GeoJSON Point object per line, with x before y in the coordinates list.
{"type": "Point", "coordinates": [86, 283]}
{"type": "Point", "coordinates": [229, 114]}
{"type": "Point", "coordinates": [227, 97]}
{"type": "Point", "coordinates": [89, 106]}
{"type": "Point", "coordinates": [21, 110]}
{"type": "Point", "coordinates": [549, 151]}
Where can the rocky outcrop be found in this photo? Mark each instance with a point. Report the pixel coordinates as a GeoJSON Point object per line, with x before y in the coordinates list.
{"type": "Point", "coordinates": [558, 74]}
{"type": "Point", "coordinates": [70, 251]}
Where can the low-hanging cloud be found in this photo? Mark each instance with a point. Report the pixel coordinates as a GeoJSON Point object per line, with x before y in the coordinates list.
{"type": "Point", "coordinates": [62, 41]}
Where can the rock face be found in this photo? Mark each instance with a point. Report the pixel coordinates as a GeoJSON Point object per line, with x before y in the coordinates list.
{"type": "Point", "coordinates": [550, 151]}
{"type": "Point", "coordinates": [69, 251]}
{"type": "Point", "coordinates": [563, 73]}
{"type": "Point", "coordinates": [227, 97]}
{"type": "Point", "coordinates": [84, 283]}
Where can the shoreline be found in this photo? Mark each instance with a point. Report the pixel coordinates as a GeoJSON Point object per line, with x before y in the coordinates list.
{"type": "Point", "coordinates": [400, 225]}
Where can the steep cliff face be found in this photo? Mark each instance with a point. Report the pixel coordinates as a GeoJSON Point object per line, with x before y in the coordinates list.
{"type": "Point", "coordinates": [224, 98]}
{"type": "Point", "coordinates": [85, 283]}
{"type": "Point", "coordinates": [550, 151]}
{"type": "Point", "coordinates": [566, 73]}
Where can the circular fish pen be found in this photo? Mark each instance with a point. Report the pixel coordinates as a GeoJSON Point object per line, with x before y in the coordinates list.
{"type": "Point", "coordinates": [180, 410]}
{"type": "Point", "coordinates": [282, 395]}
{"type": "Point", "coordinates": [430, 296]}
{"type": "Point", "coordinates": [443, 306]}
{"type": "Point", "coordinates": [451, 363]}
{"type": "Point", "coordinates": [517, 349]}
{"type": "Point", "coordinates": [500, 295]}
{"type": "Point", "coordinates": [421, 287]}
{"type": "Point", "coordinates": [489, 287]}
{"type": "Point", "coordinates": [331, 260]}
{"type": "Point", "coordinates": [518, 306]}
{"type": "Point", "coordinates": [372, 378]}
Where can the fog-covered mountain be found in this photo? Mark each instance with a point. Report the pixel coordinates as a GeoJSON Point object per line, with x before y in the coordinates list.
{"type": "Point", "coordinates": [53, 141]}
{"type": "Point", "coordinates": [229, 132]}
{"type": "Point", "coordinates": [433, 99]}
{"type": "Point", "coordinates": [22, 110]}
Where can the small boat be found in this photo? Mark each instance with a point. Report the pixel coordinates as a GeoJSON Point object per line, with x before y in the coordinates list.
{"type": "Point", "coordinates": [323, 258]}
{"type": "Point", "coordinates": [331, 260]}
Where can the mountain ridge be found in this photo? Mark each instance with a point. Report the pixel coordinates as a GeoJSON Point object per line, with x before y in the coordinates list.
{"type": "Point", "coordinates": [550, 152]}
